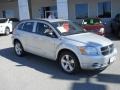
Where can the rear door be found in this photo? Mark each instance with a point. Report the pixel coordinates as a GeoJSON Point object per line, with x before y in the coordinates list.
{"type": "Point", "coordinates": [25, 31]}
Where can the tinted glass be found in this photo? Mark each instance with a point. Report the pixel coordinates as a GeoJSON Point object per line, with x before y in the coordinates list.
{"type": "Point", "coordinates": [43, 29]}
{"type": "Point", "coordinates": [20, 26]}
{"type": "Point", "coordinates": [81, 11]}
{"type": "Point", "coordinates": [104, 9]}
{"type": "Point", "coordinates": [3, 20]}
{"type": "Point", "coordinates": [14, 20]}
{"type": "Point", "coordinates": [68, 28]}
{"type": "Point", "coordinates": [28, 26]}
{"type": "Point", "coordinates": [40, 28]}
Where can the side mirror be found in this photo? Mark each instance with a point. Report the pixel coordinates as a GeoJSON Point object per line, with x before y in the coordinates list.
{"type": "Point", "coordinates": [50, 33]}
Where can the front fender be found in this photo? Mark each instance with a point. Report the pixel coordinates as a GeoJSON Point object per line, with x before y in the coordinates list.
{"type": "Point", "coordinates": [72, 48]}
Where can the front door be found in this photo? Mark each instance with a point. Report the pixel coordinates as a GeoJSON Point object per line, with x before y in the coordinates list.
{"type": "Point", "coordinates": [45, 42]}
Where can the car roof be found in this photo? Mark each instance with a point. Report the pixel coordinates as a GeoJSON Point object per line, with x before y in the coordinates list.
{"type": "Point", "coordinates": [55, 20]}
{"type": "Point", "coordinates": [47, 20]}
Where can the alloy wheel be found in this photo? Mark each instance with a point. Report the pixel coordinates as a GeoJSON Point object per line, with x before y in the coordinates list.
{"type": "Point", "coordinates": [18, 49]}
{"type": "Point", "coordinates": [68, 63]}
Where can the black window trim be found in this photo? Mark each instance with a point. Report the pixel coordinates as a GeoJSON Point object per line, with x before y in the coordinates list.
{"type": "Point", "coordinates": [19, 25]}
{"type": "Point", "coordinates": [49, 24]}
{"type": "Point", "coordinates": [24, 24]}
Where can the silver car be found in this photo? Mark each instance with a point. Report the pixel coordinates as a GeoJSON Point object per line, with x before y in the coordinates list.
{"type": "Point", "coordinates": [65, 42]}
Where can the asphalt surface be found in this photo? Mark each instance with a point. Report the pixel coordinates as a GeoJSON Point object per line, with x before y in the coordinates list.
{"type": "Point", "coordinates": [35, 73]}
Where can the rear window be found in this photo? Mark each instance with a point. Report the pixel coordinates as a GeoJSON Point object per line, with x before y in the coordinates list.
{"type": "Point", "coordinates": [3, 20]}
{"type": "Point", "coordinates": [92, 21]}
{"type": "Point", "coordinates": [14, 19]}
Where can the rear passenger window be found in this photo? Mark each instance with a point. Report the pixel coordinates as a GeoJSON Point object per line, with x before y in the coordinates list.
{"type": "Point", "coordinates": [28, 26]}
{"type": "Point", "coordinates": [20, 26]}
{"type": "Point", "coordinates": [14, 20]}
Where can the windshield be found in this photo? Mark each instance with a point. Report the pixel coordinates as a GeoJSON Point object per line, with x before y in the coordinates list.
{"type": "Point", "coordinates": [68, 28]}
{"type": "Point", "coordinates": [3, 20]}
{"type": "Point", "coordinates": [91, 21]}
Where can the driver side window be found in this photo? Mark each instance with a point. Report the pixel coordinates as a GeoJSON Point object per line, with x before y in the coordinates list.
{"type": "Point", "coordinates": [45, 30]}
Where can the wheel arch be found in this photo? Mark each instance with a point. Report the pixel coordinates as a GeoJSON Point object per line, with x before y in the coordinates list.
{"type": "Point", "coordinates": [66, 50]}
{"type": "Point", "coordinates": [16, 40]}
{"type": "Point", "coordinates": [71, 51]}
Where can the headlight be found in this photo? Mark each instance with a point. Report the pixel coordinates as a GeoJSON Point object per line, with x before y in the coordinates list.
{"type": "Point", "coordinates": [88, 51]}
{"type": "Point", "coordinates": [102, 30]}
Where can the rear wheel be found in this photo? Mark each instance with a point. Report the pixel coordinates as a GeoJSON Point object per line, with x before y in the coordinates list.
{"type": "Point", "coordinates": [7, 31]}
{"type": "Point", "coordinates": [18, 48]}
{"type": "Point", "coordinates": [69, 62]}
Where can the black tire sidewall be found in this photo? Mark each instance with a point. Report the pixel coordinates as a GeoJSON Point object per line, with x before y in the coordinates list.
{"type": "Point", "coordinates": [22, 53]}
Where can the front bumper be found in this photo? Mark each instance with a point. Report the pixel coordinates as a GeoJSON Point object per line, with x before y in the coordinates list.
{"type": "Point", "coordinates": [97, 62]}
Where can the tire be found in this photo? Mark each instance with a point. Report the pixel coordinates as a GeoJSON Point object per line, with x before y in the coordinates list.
{"type": "Point", "coordinates": [7, 31]}
{"type": "Point", "coordinates": [18, 49]}
{"type": "Point", "coordinates": [69, 62]}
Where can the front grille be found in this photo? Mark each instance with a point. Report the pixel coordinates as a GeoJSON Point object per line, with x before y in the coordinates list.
{"type": "Point", "coordinates": [107, 50]}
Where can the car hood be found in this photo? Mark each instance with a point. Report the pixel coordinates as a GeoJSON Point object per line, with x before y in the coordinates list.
{"type": "Point", "coordinates": [89, 39]}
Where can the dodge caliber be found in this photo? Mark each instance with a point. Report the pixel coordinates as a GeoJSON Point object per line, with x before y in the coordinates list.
{"type": "Point", "coordinates": [65, 42]}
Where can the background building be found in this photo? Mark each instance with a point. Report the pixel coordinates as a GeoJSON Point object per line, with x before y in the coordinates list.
{"type": "Point", "coordinates": [68, 9]}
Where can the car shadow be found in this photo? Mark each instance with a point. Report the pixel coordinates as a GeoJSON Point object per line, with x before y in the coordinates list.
{"type": "Point", "coordinates": [88, 86]}
{"type": "Point", "coordinates": [51, 67]}
{"type": "Point", "coordinates": [43, 65]}
{"type": "Point", "coordinates": [1, 35]}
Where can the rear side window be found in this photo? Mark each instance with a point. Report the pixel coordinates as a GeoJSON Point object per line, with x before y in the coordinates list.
{"type": "Point", "coordinates": [14, 19]}
{"type": "Point", "coordinates": [28, 26]}
{"type": "Point", "coordinates": [20, 26]}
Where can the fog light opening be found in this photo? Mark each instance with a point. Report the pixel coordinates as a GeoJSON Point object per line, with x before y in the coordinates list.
{"type": "Point", "coordinates": [96, 65]}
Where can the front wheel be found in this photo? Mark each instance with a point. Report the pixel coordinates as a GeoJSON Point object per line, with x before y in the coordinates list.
{"type": "Point", "coordinates": [69, 62]}
{"type": "Point", "coordinates": [18, 48]}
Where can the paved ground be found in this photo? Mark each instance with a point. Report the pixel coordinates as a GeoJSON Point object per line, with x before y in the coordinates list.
{"type": "Point", "coordinates": [36, 73]}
